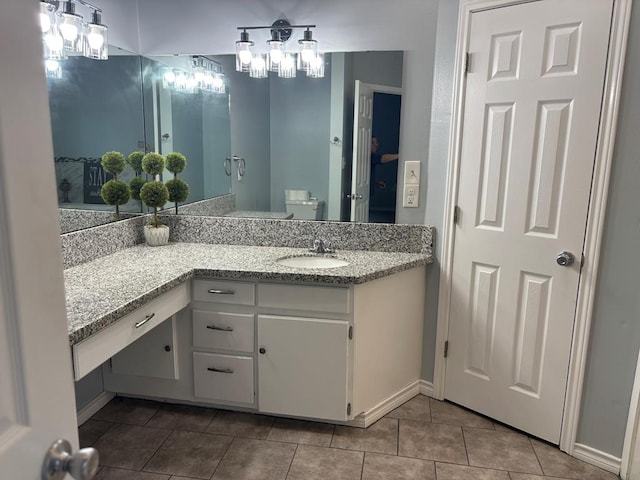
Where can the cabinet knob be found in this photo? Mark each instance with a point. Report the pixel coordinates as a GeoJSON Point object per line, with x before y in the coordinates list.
{"type": "Point", "coordinates": [262, 350]}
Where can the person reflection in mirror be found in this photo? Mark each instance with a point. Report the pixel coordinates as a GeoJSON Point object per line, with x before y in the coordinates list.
{"type": "Point", "coordinates": [379, 159]}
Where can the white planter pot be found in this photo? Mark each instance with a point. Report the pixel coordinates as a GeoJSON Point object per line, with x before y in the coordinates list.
{"type": "Point", "coordinates": [156, 236]}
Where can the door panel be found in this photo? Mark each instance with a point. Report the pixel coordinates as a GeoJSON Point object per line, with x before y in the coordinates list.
{"type": "Point", "coordinates": [361, 175]}
{"type": "Point", "coordinates": [531, 115]}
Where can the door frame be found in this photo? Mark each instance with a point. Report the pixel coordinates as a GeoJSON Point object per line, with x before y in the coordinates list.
{"type": "Point", "coordinates": [595, 220]}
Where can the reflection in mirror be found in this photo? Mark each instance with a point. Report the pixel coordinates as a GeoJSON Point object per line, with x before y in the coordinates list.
{"type": "Point", "coordinates": [296, 135]}
{"type": "Point", "coordinates": [194, 123]}
{"type": "Point", "coordinates": [96, 106]}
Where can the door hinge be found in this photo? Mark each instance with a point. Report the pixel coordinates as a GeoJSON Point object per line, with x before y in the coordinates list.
{"type": "Point", "coordinates": [467, 61]}
{"type": "Point", "coordinates": [446, 349]}
{"type": "Point", "coordinates": [456, 214]}
{"type": "Point", "coordinates": [350, 333]}
{"type": "Point", "coordinates": [348, 409]}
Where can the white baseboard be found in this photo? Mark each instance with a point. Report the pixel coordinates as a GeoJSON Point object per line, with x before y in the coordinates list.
{"type": "Point", "coordinates": [394, 401]}
{"type": "Point", "coordinates": [598, 458]}
{"type": "Point", "coordinates": [93, 406]}
{"type": "Point", "coordinates": [426, 388]}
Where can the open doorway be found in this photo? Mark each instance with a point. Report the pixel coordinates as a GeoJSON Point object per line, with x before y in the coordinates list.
{"type": "Point", "coordinates": [385, 143]}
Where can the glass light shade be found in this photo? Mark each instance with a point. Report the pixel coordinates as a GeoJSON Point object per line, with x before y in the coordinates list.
{"type": "Point", "coordinates": [244, 53]}
{"type": "Point", "coordinates": [258, 68]}
{"type": "Point", "coordinates": [316, 66]}
{"type": "Point", "coordinates": [95, 42]}
{"type": "Point", "coordinates": [218, 83]}
{"type": "Point", "coordinates": [276, 53]}
{"type": "Point", "coordinates": [168, 78]}
{"type": "Point", "coordinates": [288, 66]}
{"type": "Point", "coordinates": [54, 45]}
{"type": "Point", "coordinates": [47, 18]}
{"type": "Point", "coordinates": [70, 26]}
{"type": "Point", "coordinates": [53, 69]}
{"type": "Point", "coordinates": [308, 51]}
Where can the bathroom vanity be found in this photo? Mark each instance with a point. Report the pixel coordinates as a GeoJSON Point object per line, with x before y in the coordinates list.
{"type": "Point", "coordinates": [229, 326]}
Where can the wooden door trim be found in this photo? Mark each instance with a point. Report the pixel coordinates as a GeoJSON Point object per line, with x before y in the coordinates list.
{"type": "Point", "coordinates": [596, 213]}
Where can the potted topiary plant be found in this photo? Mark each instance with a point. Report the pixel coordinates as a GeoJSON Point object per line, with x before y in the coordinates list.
{"type": "Point", "coordinates": [135, 161]}
{"type": "Point", "coordinates": [178, 188]}
{"type": "Point", "coordinates": [115, 192]}
{"type": "Point", "coordinates": [154, 194]}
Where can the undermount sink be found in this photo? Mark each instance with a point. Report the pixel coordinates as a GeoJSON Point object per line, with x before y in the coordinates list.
{"type": "Point", "coordinates": [311, 261]}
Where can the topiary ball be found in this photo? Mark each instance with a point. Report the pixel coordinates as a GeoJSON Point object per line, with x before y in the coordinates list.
{"type": "Point", "coordinates": [113, 162]}
{"type": "Point", "coordinates": [135, 160]}
{"type": "Point", "coordinates": [178, 189]}
{"type": "Point", "coordinates": [176, 162]}
{"type": "Point", "coordinates": [154, 194]}
{"type": "Point", "coordinates": [115, 192]}
{"type": "Point", "coordinates": [135, 185]}
{"type": "Point", "coordinates": [153, 163]}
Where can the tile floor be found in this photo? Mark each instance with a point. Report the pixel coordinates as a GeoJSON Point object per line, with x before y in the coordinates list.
{"type": "Point", "coordinates": [422, 439]}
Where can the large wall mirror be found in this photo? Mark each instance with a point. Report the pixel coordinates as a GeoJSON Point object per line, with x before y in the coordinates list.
{"type": "Point", "coordinates": [291, 134]}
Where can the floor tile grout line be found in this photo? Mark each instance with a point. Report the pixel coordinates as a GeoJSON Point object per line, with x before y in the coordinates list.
{"type": "Point", "coordinates": [398, 440]}
{"type": "Point", "coordinates": [291, 462]}
{"type": "Point", "coordinates": [364, 456]}
{"type": "Point", "coordinates": [222, 457]}
{"type": "Point", "coordinates": [536, 454]}
{"type": "Point", "coordinates": [156, 450]}
{"type": "Point", "coordinates": [464, 442]}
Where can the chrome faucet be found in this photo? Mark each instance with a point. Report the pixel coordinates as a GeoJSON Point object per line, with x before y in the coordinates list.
{"type": "Point", "coordinates": [321, 246]}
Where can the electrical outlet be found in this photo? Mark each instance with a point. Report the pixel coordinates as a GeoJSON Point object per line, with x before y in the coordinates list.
{"type": "Point", "coordinates": [412, 172]}
{"type": "Point", "coordinates": [411, 194]}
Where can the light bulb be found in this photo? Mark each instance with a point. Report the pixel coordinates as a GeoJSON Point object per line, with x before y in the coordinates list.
{"type": "Point", "coordinates": [245, 56]}
{"type": "Point", "coordinates": [170, 77]}
{"type": "Point", "coordinates": [96, 40]}
{"type": "Point", "coordinates": [181, 80]}
{"type": "Point", "coordinates": [45, 22]}
{"type": "Point", "coordinates": [316, 62]}
{"type": "Point", "coordinates": [199, 76]}
{"type": "Point", "coordinates": [217, 82]}
{"type": "Point", "coordinates": [257, 63]}
{"type": "Point", "coordinates": [69, 31]}
{"type": "Point", "coordinates": [307, 55]}
{"type": "Point", "coordinates": [276, 55]}
{"type": "Point", "coordinates": [287, 61]}
{"type": "Point", "coordinates": [52, 65]}
{"type": "Point", "coordinates": [54, 41]}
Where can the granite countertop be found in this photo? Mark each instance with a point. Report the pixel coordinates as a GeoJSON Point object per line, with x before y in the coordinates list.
{"type": "Point", "coordinates": [259, 214]}
{"type": "Point", "coordinates": [100, 292]}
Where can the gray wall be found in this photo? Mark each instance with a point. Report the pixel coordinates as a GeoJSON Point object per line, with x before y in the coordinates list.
{"type": "Point", "coordinates": [186, 111]}
{"type": "Point", "coordinates": [300, 114]}
{"type": "Point", "coordinates": [216, 127]}
{"type": "Point", "coordinates": [615, 331]}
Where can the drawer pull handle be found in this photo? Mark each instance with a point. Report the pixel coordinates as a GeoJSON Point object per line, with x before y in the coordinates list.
{"type": "Point", "coordinates": [215, 291]}
{"type": "Point", "coordinates": [223, 329]}
{"type": "Point", "coordinates": [220, 370]}
{"type": "Point", "coordinates": [146, 319]}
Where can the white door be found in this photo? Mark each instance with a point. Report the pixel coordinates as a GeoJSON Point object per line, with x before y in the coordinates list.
{"type": "Point", "coordinates": [531, 112]}
{"type": "Point", "coordinates": [37, 403]}
{"type": "Point", "coordinates": [302, 366]}
{"type": "Point", "coordinates": [361, 170]}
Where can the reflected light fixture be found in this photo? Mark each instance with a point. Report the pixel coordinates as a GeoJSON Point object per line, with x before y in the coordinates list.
{"type": "Point", "coordinates": [205, 75]}
{"type": "Point", "coordinates": [96, 45]}
{"type": "Point", "coordinates": [277, 59]}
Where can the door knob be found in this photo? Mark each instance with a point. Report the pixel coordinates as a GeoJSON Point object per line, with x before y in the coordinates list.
{"type": "Point", "coordinates": [564, 259]}
{"type": "Point", "coordinates": [59, 461]}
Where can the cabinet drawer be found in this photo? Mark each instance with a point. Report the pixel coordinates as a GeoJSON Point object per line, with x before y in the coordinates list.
{"type": "Point", "coordinates": [225, 331]}
{"type": "Point", "coordinates": [98, 348]}
{"type": "Point", "coordinates": [225, 378]}
{"type": "Point", "coordinates": [305, 297]}
{"type": "Point", "coordinates": [222, 291]}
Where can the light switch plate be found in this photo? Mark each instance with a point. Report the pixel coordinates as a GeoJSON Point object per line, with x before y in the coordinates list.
{"type": "Point", "coordinates": [411, 194]}
{"type": "Point", "coordinates": [412, 172]}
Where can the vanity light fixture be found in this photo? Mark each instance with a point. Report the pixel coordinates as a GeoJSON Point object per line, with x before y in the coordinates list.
{"type": "Point", "coordinates": [206, 75]}
{"type": "Point", "coordinates": [277, 59]}
{"type": "Point", "coordinates": [64, 33]}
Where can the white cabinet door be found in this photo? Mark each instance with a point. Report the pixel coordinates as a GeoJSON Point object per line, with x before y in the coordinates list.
{"type": "Point", "coordinates": [303, 370]}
